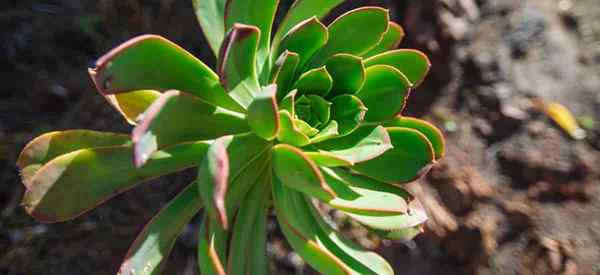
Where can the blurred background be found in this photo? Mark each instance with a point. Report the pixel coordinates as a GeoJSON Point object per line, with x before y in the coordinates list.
{"type": "Point", "coordinates": [516, 193]}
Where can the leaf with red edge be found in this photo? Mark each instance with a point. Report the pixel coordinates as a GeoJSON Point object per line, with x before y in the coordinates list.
{"type": "Point", "coordinates": [384, 93]}
{"type": "Point", "coordinates": [412, 63]}
{"type": "Point", "coordinates": [306, 39]}
{"type": "Point", "coordinates": [177, 117]}
{"type": "Point", "coordinates": [213, 179]}
{"type": "Point", "coordinates": [212, 247]}
{"type": "Point", "coordinates": [354, 32]}
{"type": "Point", "coordinates": [236, 63]}
{"type": "Point", "coordinates": [151, 62]}
{"type": "Point", "coordinates": [298, 171]}
{"type": "Point", "coordinates": [364, 144]}
{"type": "Point", "coordinates": [259, 13]}
{"type": "Point", "coordinates": [263, 115]}
{"type": "Point", "coordinates": [54, 144]}
{"type": "Point", "coordinates": [433, 134]}
{"type": "Point", "coordinates": [391, 40]}
{"type": "Point", "coordinates": [132, 104]}
{"type": "Point", "coordinates": [411, 157]}
{"type": "Point", "coordinates": [73, 183]}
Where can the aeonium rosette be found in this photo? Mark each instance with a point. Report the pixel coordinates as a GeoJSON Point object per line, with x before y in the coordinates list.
{"type": "Point", "coordinates": [310, 115]}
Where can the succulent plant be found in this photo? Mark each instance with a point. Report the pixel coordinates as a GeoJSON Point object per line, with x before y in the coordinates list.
{"type": "Point", "coordinates": [308, 116]}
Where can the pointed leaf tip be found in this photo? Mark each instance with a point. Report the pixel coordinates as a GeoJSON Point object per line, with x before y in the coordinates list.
{"type": "Point", "coordinates": [213, 178]}
{"type": "Point", "coordinates": [221, 180]}
{"type": "Point", "coordinates": [145, 143]}
{"type": "Point", "coordinates": [236, 63]}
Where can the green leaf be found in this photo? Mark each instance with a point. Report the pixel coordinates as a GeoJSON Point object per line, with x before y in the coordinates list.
{"type": "Point", "coordinates": [323, 248]}
{"type": "Point", "coordinates": [83, 175]}
{"type": "Point", "coordinates": [284, 71]}
{"type": "Point", "coordinates": [302, 10]}
{"type": "Point", "coordinates": [248, 158]}
{"type": "Point", "coordinates": [263, 116]}
{"type": "Point", "coordinates": [259, 13]}
{"type": "Point", "coordinates": [384, 93]}
{"type": "Point", "coordinates": [364, 144]}
{"type": "Point", "coordinates": [132, 104]}
{"type": "Point", "coordinates": [391, 40]}
{"type": "Point", "coordinates": [247, 248]}
{"type": "Point", "coordinates": [355, 32]}
{"type": "Point", "coordinates": [288, 103]}
{"type": "Point", "coordinates": [316, 81]}
{"type": "Point", "coordinates": [213, 180]}
{"type": "Point", "coordinates": [210, 15]}
{"type": "Point", "coordinates": [415, 216]}
{"type": "Point", "coordinates": [326, 159]}
{"type": "Point", "coordinates": [411, 157]}
{"type": "Point", "coordinates": [151, 62]}
{"type": "Point", "coordinates": [51, 145]}
{"type": "Point", "coordinates": [405, 234]}
{"type": "Point", "coordinates": [328, 132]}
{"type": "Point", "coordinates": [212, 247]}
{"type": "Point", "coordinates": [433, 134]}
{"type": "Point", "coordinates": [314, 110]}
{"type": "Point", "coordinates": [347, 72]}
{"type": "Point", "coordinates": [236, 63]}
{"type": "Point", "coordinates": [150, 250]}
{"type": "Point", "coordinates": [248, 155]}
{"type": "Point", "coordinates": [349, 112]}
{"type": "Point", "coordinates": [306, 39]}
{"type": "Point", "coordinates": [289, 133]}
{"type": "Point", "coordinates": [250, 173]}
{"type": "Point", "coordinates": [162, 125]}
{"type": "Point", "coordinates": [364, 196]}
{"type": "Point", "coordinates": [412, 63]}
{"type": "Point", "coordinates": [298, 171]}
{"type": "Point", "coordinates": [305, 128]}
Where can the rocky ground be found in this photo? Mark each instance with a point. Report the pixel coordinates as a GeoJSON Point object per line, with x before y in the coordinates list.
{"type": "Point", "coordinates": [514, 195]}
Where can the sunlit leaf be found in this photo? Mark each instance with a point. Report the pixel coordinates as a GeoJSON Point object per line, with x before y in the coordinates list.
{"type": "Point", "coordinates": [349, 112]}
{"type": "Point", "coordinates": [364, 144]}
{"type": "Point", "coordinates": [51, 145]}
{"type": "Point", "coordinates": [284, 71]}
{"type": "Point", "coordinates": [316, 81]}
{"type": "Point", "coordinates": [355, 32]}
{"type": "Point", "coordinates": [347, 72]}
{"type": "Point", "coordinates": [83, 175]}
{"type": "Point", "coordinates": [151, 62]}
{"type": "Point", "coordinates": [384, 93]}
{"type": "Point", "coordinates": [390, 41]}
{"type": "Point", "coordinates": [296, 170]}
{"type": "Point", "coordinates": [411, 157]}
{"type": "Point", "coordinates": [259, 13]}
{"type": "Point", "coordinates": [263, 116]}
{"type": "Point", "coordinates": [433, 134]}
{"type": "Point", "coordinates": [236, 63]}
{"type": "Point", "coordinates": [412, 63]}
{"type": "Point", "coordinates": [364, 196]}
{"type": "Point", "coordinates": [320, 245]}
{"type": "Point", "coordinates": [303, 10]}
{"type": "Point", "coordinates": [306, 39]}
{"type": "Point", "coordinates": [161, 125]}
{"type": "Point", "coordinates": [132, 104]}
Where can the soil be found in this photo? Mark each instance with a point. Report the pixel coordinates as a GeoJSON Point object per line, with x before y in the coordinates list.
{"type": "Point", "coordinates": [515, 194]}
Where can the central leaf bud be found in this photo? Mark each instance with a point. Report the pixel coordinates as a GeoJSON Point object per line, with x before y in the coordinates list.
{"type": "Point", "coordinates": [314, 112]}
